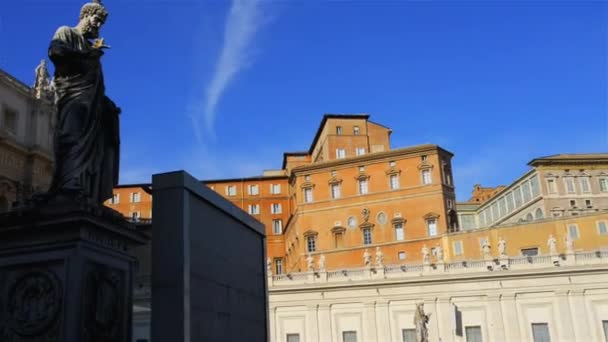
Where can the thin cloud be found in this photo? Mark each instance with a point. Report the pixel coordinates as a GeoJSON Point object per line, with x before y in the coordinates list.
{"type": "Point", "coordinates": [243, 22]}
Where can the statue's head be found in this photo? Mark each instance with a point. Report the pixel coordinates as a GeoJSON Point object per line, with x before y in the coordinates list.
{"type": "Point", "coordinates": [92, 16]}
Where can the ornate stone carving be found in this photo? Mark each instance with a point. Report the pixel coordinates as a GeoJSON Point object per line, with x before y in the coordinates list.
{"type": "Point", "coordinates": [438, 251]}
{"type": "Point", "coordinates": [365, 213]}
{"type": "Point", "coordinates": [103, 304]}
{"type": "Point", "coordinates": [34, 301]}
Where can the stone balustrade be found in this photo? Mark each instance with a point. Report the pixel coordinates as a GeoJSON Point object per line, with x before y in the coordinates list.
{"type": "Point", "coordinates": [405, 271]}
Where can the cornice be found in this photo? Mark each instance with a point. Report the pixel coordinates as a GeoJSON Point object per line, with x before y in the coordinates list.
{"type": "Point", "coordinates": [376, 157]}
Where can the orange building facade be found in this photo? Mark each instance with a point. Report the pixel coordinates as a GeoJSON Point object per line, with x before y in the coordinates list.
{"type": "Point", "coordinates": [351, 193]}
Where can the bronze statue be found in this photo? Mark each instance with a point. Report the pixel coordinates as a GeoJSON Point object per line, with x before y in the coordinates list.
{"type": "Point", "coordinates": [86, 141]}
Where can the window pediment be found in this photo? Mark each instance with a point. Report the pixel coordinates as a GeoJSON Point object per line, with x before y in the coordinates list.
{"type": "Point", "coordinates": [393, 171]}
{"type": "Point", "coordinates": [307, 185]}
{"type": "Point", "coordinates": [338, 230]}
{"type": "Point", "coordinates": [366, 225]}
{"type": "Point", "coordinates": [310, 232]}
{"type": "Point", "coordinates": [425, 166]}
{"type": "Point", "coordinates": [335, 180]}
{"type": "Point", "coordinates": [362, 176]}
{"type": "Point", "coordinates": [431, 215]}
{"type": "Point", "coordinates": [397, 220]}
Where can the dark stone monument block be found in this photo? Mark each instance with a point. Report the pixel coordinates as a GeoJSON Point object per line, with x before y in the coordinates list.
{"type": "Point", "coordinates": [208, 265]}
{"type": "Point", "coordinates": [65, 275]}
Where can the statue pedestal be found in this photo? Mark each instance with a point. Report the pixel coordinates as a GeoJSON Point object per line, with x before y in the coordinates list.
{"type": "Point", "coordinates": [65, 274]}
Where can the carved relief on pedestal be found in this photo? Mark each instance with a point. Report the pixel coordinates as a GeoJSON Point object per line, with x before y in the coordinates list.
{"type": "Point", "coordinates": [103, 303]}
{"type": "Point", "coordinates": [32, 304]}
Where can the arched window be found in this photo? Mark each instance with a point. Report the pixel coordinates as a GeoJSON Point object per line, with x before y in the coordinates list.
{"type": "Point", "coordinates": [529, 217]}
{"type": "Point", "coordinates": [539, 214]}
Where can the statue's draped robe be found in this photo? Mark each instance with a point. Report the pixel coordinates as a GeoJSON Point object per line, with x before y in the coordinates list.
{"type": "Point", "coordinates": [86, 140]}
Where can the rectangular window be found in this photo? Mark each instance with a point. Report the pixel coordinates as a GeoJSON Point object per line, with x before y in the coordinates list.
{"type": "Point", "coordinates": [409, 335]}
{"type": "Point", "coordinates": [311, 243]}
{"type": "Point", "coordinates": [367, 236]}
{"type": "Point", "coordinates": [254, 209]}
{"type": "Point", "coordinates": [401, 255]}
{"type": "Point", "coordinates": [115, 199]}
{"type": "Point", "coordinates": [307, 195]}
{"type": "Point", "coordinates": [340, 153]}
{"type": "Point", "coordinates": [540, 332]}
{"type": "Point", "coordinates": [518, 198]}
{"type": "Point", "coordinates": [602, 228]}
{"type": "Point", "coordinates": [231, 190]}
{"type": "Point", "coordinates": [278, 266]}
{"type": "Point", "coordinates": [335, 191]}
{"type": "Point", "coordinates": [534, 186]}
{"type": "Point", "coordinates": [277, 227]}
{"type": "Point", "coordinates": [360, 151]}
{"type": "Point", "coordinates": [424, 158]}
{"type": "Point", "coordinates": [349, 336]}
{"type": "Point", "coordinates": [588, 204]}
{"type": "Point", "coordinates": [135, 197]}
{"type": "Point", "coordinates": [338, 240]}
{"type": "Point", "coordinates": [275, 208]}
{"type": "Point", "coordinates": [494, 208]}
{"type": "Point", "coordinates": [275, 189]}
{"type": "Point", "coordinates": [457, 247]}
{"type": "Point", "coordinates": [529, 251]}
{"type": "Point", "coordinates": [253, 189]}
{"type": "Point", "coordinates": [399, 233]}
{"type": "Point", "coordinates": [573, 231]}
{"type": "Point", "coordinates": [293, 337]}
{"type": "Point", "coordinates": [502, 206]}
{"type": "Point", "coordinates": [509, 200]}
{"type": "Point", "coordinates": [10, 120]}
{"type": "Point", "coordinates": [585, 184]}
{"type": "Point", "coordinates": [394, 182]}
{"type": "Point", "coordinates": [362, 186]}
{"type": "Point", "coordinates": [572, 203]}
{"type": "Point", "coordinates": [426, 177]}
{"type": "Point", "coordinates": [338, 130]}
{"type": "Point", "coordinates": [603, 184]}
{"type": "Point", "coordinates": [356, 130]}
{"type": "Point", "coordinates": [551, 186]}
{"type": "Point", "coordinates": [432, 227]}
{"type": "Point", "coordinates": [525, 188]}
{"type": "Point", "coordinates": [473, 334]}
{"type": "Point", "coordinates": [570, 185]}
{"type": "Point", "coordinates": [467, 222]}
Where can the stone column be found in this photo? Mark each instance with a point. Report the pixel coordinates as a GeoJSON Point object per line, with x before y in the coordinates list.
{"type": "Point", "coordinates": [324, 323]}
{"type": "Point", "coordinates": [445, 319]}
{"type": "Point", "coordinates": [580, 316]}
{"type": "Point", "coordinates": [369, 321]}
{"type": "Point", "coordinates": [565, 329]}
{"type": "Point", "coordinates": [312, 324]}
{"type": "Point", "coordinates": [496, 327]}
{"type": "Point", "coordinates": [509, 316]}
{"type": "Point", "coordinates": [383, 327]}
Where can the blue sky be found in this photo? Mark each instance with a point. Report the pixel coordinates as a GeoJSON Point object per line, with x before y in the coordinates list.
{"type": "Point", "coordinates": [223, 88]}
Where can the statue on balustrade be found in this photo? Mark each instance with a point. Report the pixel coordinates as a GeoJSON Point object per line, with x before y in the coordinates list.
{"type": "Point", "coordinates": [552, 244]}
{"type": "Point", "coordinates": [486, 250]}
{"type": "Point", "coordinates": [379, 257]}
{"type": "Point", "coordinates": [569, 244]}
{"type": "Point", "coordinates": [310, 263]}
{"type": "Point", "coordinates": [502, 247]}
{"type": "Point", "coordinates": [367, 259]}
{"type": "Point", "coordinates": [269, 266]}
{"type": "Point", "coordinates": [322, 263]}
{"type": "Point", "coordinates": [438, 251]}
{"type": "Point", "coordinates": [420, 322]}
{"type": "Point", "coordinates": [86, 141]}
{"type": "Point", "coordinates": [425, 255]}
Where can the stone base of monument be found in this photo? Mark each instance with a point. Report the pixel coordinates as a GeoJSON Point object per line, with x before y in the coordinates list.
{"type": "Point", "coordinates": [65, 274]}
{"type": "Point", "coordinates": [208, 266]}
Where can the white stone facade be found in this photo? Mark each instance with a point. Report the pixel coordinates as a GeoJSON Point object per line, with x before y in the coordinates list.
{"type": "Point", "coordinates": [499, 299]}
